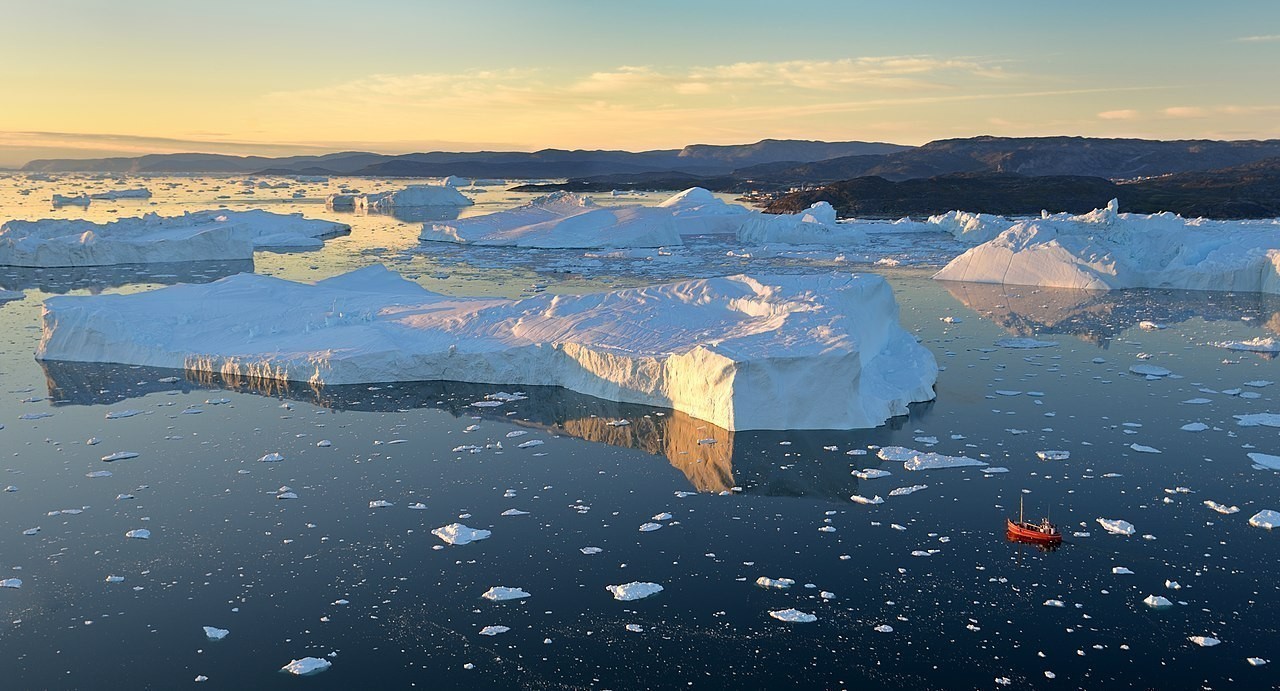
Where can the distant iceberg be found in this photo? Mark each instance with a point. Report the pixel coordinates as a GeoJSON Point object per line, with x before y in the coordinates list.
{"type": "Point", "coordinates": [136, 193]}
{"type": "Point", "coordinates": [412, 196]}
{"type": "Point", "coordinates": [65, 200]}
{"type": "Point", "coordinates": [216, 235]}
{"type": "Point", "coordinates": [562, 220]}
{"type": "Point", "coordinates": [782, 352]}
{"type": "Point", "coordinates": [815, 225]}
{"type": "Point", "coordinates": [1105, 250]}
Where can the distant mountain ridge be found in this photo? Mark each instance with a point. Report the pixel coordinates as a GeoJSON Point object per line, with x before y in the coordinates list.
{"type": "Point", "coordinates": [696, 158]}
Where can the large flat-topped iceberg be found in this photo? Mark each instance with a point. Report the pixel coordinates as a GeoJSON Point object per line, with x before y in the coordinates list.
{"type": "Point", "coordinates": [562, 220]}
{"type": "Point", "coordinates": [215, 235]}
{"type": "Point", "coordinates": [411, 197]}
{"type": "Point", "coordinates": [1105, 250]}
{"type": "Point", "coordinates": [784, 352]}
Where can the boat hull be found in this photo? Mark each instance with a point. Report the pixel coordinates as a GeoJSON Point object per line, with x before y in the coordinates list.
{"type": "Point", "coordinates": [1021, 534]}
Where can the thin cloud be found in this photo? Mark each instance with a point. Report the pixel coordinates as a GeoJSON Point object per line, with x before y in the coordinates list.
{"type": "Point", "coordinates": [1258, 39]}
{"type": "Point", "coordinates": [1126, 114]}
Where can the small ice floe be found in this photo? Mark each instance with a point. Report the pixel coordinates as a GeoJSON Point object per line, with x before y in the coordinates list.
{"type": "Point", "coordinates": [493, 630]}
{"type": "Point", "coordinates": [1157, 601]}
{"type": "Point", "coordinates": [1149, 326]}
{"type": "Point", "coordinates": [1053, 455]}
{"type": "Point", "coordinates": [1204, 641]}
{"type": "Point", "coordinates": [11, 583]}
{"type": "Point", "coordinates": [34, 416]}
{"type": "Point", "coordinates": [11, 488]}
{"type": "Point", "coordinates": [272, 457]}
{"type": "Point", "coordinates": [215, 634]}
{"type": "Point", "coordinates": [516, 433]}
{"type": "Point", "coordinates": [120, 414]}
{"type": "Point", "coordinates": [307, 666]}
{"type": "Point", "coordinates": [500, 593]}
{"type": "Point", "coordinates": [924, 552]}
{"type": "Point", "coordinates": [904, 491]}
{"type": "Point", "coordinates": [924, 460]}
{"type": "Point", "coordinates": [1197, 401]}
{"type": "Point", "coordinates": [649, 527]}
{"type": "Point", "coordinates": [1265, 460]}
{"type": "Point", "coordinates": [1265, 518]}
{"type": "Point", "coordinates": [324, 443]}
{"type": "Point", "coordinates": [119, 456]}
{"type": "Point", "coordinates": [1259, 383]}
{"type": "Point", "coordinates": [515, 512]}
{"type": "Point", "coordinates": [530, 444]}
{"type": "Point", "coordinates": [417, 506]}
{"type": "Point", "coordinates": [884, 628]}
{"type": "Point", "coordinates": [1254, 345]}
{"type": "Point", "coordinates": [793, 616]}
{"type": "Point", "coordinates": [590, 550]}
{"type": "Point", "coordinates": [952, 320]}
{"type": "Point", "coordinates": [634, 590]}
{"type": "Point", "coordinates": [115, 579]}
{"type": "Point", "coordinates": [380, 504]}
{"type": "Point", "coordinates": [1006, 392]}
{"type": "Point", "coordinates": [1221, 508]}
{"type": "Point", "coordinates": [1255, 661]}
{"type": "Point", "coordinates": [1054, 603]}
{"type": "Point", "coordinates": [93, 441]}
{"type": "Point", "coordinates": [1024, 343]}
{"type": "Point", "coordinates": [635, 628]}
{"type": "Point", "coordinates": [662, 517]}
{"type": "Point", "coordinates": [994, 470]}
{"type": "Point", "coordinates": [766, 582]}
{"type": "Point", "coordinates": [139, 534]}
{"type": "Point", "coordinates": [1172, 585]}
{"type": "Point", "coordinates": [459, 534]}
{"type": "Point", "coordinates": [286, 492]}
{"type": "Point", "coordinates": [618, 423]}
{"type": "Point", "coordinates": [1150, 370]}
{"type": "Point", "coordinates": [1121, 571]}
{"type": "Point", "coordinates": [1194, 427]}
{"type": "Point", "coordinates": [859, 499]}
{"type": "Point", "coordinates": [870, 473]}
{"type": "Point", "coordinates": [1144, 449]}
{"type": "Point", "coordinates": [1116, 526]}
{"type": "Point", "coordinates": [1258, 419]}
{"type": "Point", "coordinates": [31, 531]}
{"type": "Point", "coordinates": [98, 473]}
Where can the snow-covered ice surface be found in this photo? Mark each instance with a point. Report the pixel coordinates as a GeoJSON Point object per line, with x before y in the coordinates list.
{"type": "Point", "coordinates": [1106, 250]}
{"type": "Point", "coordinates": [216, 235]}
{"type": "Point", "coordinates": [562, 220]}
{"type": "Point", "coordinates": [376, 593]}
{"type": "Point", "coordinates": [739, 352]}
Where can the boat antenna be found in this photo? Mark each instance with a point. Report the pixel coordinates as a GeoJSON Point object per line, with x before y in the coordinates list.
{"type": "Point", "coordinates": [1021, 518]}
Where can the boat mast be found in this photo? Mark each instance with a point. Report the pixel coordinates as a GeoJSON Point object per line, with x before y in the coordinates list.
{"type": "Point", "coordinates": [1021, 518]}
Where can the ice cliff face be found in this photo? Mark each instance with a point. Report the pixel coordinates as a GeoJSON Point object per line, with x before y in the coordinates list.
{"type": "Point", "coordinates": [784, 352]}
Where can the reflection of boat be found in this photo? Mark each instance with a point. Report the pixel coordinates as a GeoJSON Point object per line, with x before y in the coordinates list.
{"type": "Point", "coordinates": [1041, 533]}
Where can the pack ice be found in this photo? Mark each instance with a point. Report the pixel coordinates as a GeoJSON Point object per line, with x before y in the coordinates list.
{"type": "Point", "coordinates": [783, 352]}
{"type": "Point", "coordinates": [214, 235]}
{"type": "Point", "coordinates": [1105, 250]}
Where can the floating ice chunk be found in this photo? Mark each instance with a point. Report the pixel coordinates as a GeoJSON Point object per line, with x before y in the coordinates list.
{"type": "Point", "coordinates": [417, 506]}
{"type": "Point", "coordinates": [870, 473]}
{"type": "Point", "coordinates": [1204, 641]}
{"type": "Point", "coordinates": [115, 579]}
{"type": "Point", "coordinates": [793, 616]}
{"type": "Point", "coordinates": [1265, 460]}
{"type": "Point", "coordinates": [1221, 508]}
{"type": "Point", "coordinates": [904, 491]}
{"type": "Point", "coordinates": [1265, 518]}
{"type": "Point", "coordinates": [590, 550]}
{"type": "Point", "coordinates": [1054, 603]}
{"type": "Point", "coordinates": [1150, 370]}
{"type": "Point", "coordinates": [1255, 345]}
{"type": "Point", "coordinates": [1258, 383]}
{"type": "Point", "coordinates": [119, 414]}
{"type": "Point", "coordinates": [649, 527]}
{"type": "Point", "coordinates": [139, 534]}
{"type": "Point", "coordinates": [1144, 449]}
{"type": "Point", "coordinates": [34, 416]}
{"type": "Point", "coordinates": [215, 634]}
{"type": "Point", "coordinates": [562, 220]}
{"type": "Point", "coordinates": [994, 470]}
{"type": "Point", "coordinates": [134, 193]}
{"type": "Point", "coordinates": [11, 583]}
{"type": "Point", "coordinates": [273, 457]}
{"type": "Point", "coordinates": [766, 582]}
{"type": "Point", "coordinates": [634, 590]}
{"type": "Point", "coordinates": [494, 630]}
{"type": "Point", "coordinates": [459, 534]}
{"type": "Point", "coordinates": [1258, 419]}
{"type": "Point", "coordinates": [119, 456]}
{"type": "Point", "coordinates": [530, 444]}
{"type": "Point", "coordinates": [1150, 326]}
{"type": "Point", "coordinates": [884, 628]}
{"type": "Point", "coordinates": [1172, 585]}
{"type": "Point", "coordinates": [1053, 455]}
{"type": "Point", "coordinates": [1157, 601]}
{"type": "Point", "coordinates": [1197, 401]}
{"type": "Point", "coordinates": [413, 196]}
{"type": "Point", "coordinates": [1256, 661]}
{"type": "Point", "coordinates": [499, 593]}
{"type": "Point", "coordinates": [1116, 526]}
{"type": "Point", "coordinates": [635, 628]}
{"type": "Point", "coordinates": [688, 345]}
{"type": "Point", "coordinates": [859, 499]}
{"type": "Point", "coordinates": [324, 443]}
{"type": "Point", "coordinates": [307, 666]}
{"type": "Point", "coordinates": [98, 473]}
{"type": "Point", "coordinates": [1194, 427]}
{"type": "Point", "coordinates": [1024, 343]}
{"type": "Point", "coordinates": [31, 531]}
{"type": "Point", "coordinates": [1121, 571]}
{"type": "Point", "coordinates": [924, 460]}
{"type": "Point", "coordinates": [380, 504]}
{"type": "Point", "coordinates": [515, 512]}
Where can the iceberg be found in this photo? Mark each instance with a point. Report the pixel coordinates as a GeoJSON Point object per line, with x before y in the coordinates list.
{"type": "Point", "coordinates": [699, 212]}
{"type": "Point", "coordinates": [137, 193]}
{"type": "Point", "coordinates": [783, 352]}
{"type": "Point", "coordinates": [412, 196]}
{"type": "Point", "coordinates": [1266, 518]}
{"type": "Point", "coordinates": [1107, 250]}
{"type": "Point", "coordinates": [307, 666]}
{"type": "Point", "coordinates": [813, 226]}
{"type": "Point", "coordinates": [562, 220]}
{"type": "Point", "coordinates": [971, 228]}
{"type": "Point", "coordinates": [64, 200]}
{"type": "Point", "coordinates": [635, 590]}
{"type": "Point", "coordinates": [214, 235]}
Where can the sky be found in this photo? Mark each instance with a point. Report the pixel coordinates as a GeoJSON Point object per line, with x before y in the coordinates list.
{"type": "Point", "coordinates": [90, 78]}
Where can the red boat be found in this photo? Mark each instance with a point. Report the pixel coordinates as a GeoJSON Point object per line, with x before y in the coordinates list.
{"type": "Point", "coordinates": [1042, 533]}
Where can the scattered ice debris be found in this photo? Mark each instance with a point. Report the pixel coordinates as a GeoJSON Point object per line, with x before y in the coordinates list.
{"type": "Point", "coordinates": [859, 499]}
{"type": "Point", "coordinates": [1121, 571]}
{"type": "Point", "coordinates": [924, 460]}
{"type": "Point", "coordinates": [1157, 601]}
{"type": "Point", "coordinates": [1221, 508]}
{"type": "Point", "coordinates": [119, 414]}
{"type": "Point", "coordinates": [649, 527]}
{"type": "Point", "coordinates": [499, 593]}
{"type": "Point", "coordinates": [766, 582]}
{"type": "Point", "coordinates": [272, 457]}
{"type": "Point", "coordinates": [459, 534]}
{"type": "Point", "coordinates": [1204, 641]}
{"type": "Point", "coordinates": [634, 590]}
{"type": "Point", "coordinates": [1116, 526]}
{"type": "Point", "coordinates": [307, 666]}
{"type": "Point", "coordinates": [1144, 449]}
{"type": "Point", "coordinates": [119, 456]}
{"type": "Point", "coordinates": [1024, 343]}
{"type": "Point", "coordinates": [139, 534]}
{"type": "Point", "coordinates": [494, 630]}
{"type": "Point", "coordinates": [1258, 419]}
{"type": "Point", "coordinates": [1260, 344]}
{"type": "Point", "coordinates": [1265, 460]}
{"type": "Point", "coordinates": [903, 491]}
{"type": "Point", "coordinates": [793, 616]}
{"type": "Point", "coordinates": [1053, 455]}
{"type": "Point", "coordinates": [1266, 518]}
{"type": "Point", "coordinates": [870, 473]}
{"type": "Point", "coordinates": [380, 504]}
{"type": "Point", "coordinates": [11, 583]}
{"type": "Point", "coordinates": [215, 634]}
